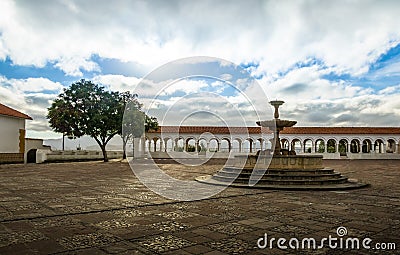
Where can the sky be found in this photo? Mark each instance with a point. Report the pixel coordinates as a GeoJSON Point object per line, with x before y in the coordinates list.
{"type": "Point", "coordinates": [334, 63]}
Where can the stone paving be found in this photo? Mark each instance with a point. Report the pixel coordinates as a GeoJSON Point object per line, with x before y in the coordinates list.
{"type": "Point", "coordinates": [102, 208]}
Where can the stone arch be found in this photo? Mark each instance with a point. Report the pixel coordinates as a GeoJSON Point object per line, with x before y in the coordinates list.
{"type": "Point", "coordinates": [379, 145]}
{"type": "Point", "coordinates": [202, 146]}
{"type": "Point", "coordinates": [366, 145]}
{"type": "Point", "coordinates": [355, 145]}
{"type": "Point", "coordinates": [157, 143]}
{"type": "Point", "coordinates": [331, 145]}
{"type": "Point", "coordinates": [308, 145]}
{"type": "Point", "coordinates": [225, 145]}
{"type": "Point", "coordinates": [285, 144]}
{"type": "Point", "coordinates": [391, 145]}
{"type": "Point", "coordinates": [237, 144]}
{"type": "Point", "coordinates": [319, 145]}
{"type": "Point", "coordinates": [213, 144]}
{"type": "Point", "coordinates": [190, 144]}
{"type": "Point", "coordinates": [257, 144]}
{"type": "Point", "coordinates": [343, 146]}
{"type": "Point", "coordinates": [31, 156]}
{"type": "Point", "coordinates": [179, 144]}
{"type": "Point", "coordinates": [247, 145]}
{"type": "Point", "coordinates": [296, 145]}
{"type": "Point", "coordinates": [168, 144]}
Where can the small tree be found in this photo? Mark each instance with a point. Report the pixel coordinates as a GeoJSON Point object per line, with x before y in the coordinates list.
{"type": "Point", "coordinates": [134, 119]}
{"type": "Point", "coordinates": [135, 122]}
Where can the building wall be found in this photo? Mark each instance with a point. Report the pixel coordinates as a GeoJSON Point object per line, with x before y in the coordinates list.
{"type": "Point", "coordinates": [10, 134]}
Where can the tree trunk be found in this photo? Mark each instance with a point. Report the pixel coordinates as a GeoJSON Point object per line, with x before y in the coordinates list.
{"type": "Point", "coordinates": [103, 149]}
{"type": "Point", "coordinates": [63, 142]}
{"type": "Point", "coordinates": [124, 148]}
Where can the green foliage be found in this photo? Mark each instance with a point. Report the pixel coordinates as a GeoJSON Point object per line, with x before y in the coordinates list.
{"type": "Point", "coordinates": [191, 148]}
{"type": "Point", "coordinates": [331, 146]}
{"type": "Point", "coordinates": [342, 148]}
{"type": "Point", "coordinates": [178, 148]}
{"type": "Point", "coordinates": [151, 123]}
{"type": "Point", "coordinates": [321, 147]}
{"type": "Point", "coordinates": [87, 109]}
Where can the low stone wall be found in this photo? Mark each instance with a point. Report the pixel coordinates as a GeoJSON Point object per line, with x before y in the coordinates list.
{"type": "Point", "coordinates": [373, 155]}
{"type": "Point", "coordinates": [57, 156]}
{"type": "Point", "coordinates": [8, 158]}
{"type": "Point", "coordinates": [335, 155]}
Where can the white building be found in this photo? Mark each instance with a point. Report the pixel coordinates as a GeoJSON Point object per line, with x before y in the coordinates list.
{"type": "Point", "coordinates": [331, 142]}
{"type": "Point", "coordinates": [12, 135]}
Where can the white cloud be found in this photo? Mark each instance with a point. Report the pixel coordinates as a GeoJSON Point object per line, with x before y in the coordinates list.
{"type": "Point", "coordinates": [186, 86]}
{"type": "Point", "coordinates": [117, 82]}
{"type": "Point", "coordinates": [342, 37]}
{"type": "Point", "coordinates": [345, 35]}
{"type": "Point", "coordinates": [73, 66]}
{"type": "Point", "coordinates": [35, 85]}
{"type": "Point", "coordinates": [31, 96]}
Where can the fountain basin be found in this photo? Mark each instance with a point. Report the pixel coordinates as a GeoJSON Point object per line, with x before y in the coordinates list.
{"type": "Point", "coordinates": [299, 162]}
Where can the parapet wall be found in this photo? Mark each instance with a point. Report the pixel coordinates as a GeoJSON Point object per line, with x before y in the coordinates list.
{"type": "Point", "coordinates": [57, 156]}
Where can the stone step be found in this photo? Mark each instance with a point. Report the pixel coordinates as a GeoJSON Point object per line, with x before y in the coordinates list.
{"type": "Point", "coordinates": [339, 186]}
{"type": "Point", "coordinates": [274, 181]}
{"type": "Point", "coordinates": [237, 170]}
{"type": "Point", "coordinates": [311, 176]}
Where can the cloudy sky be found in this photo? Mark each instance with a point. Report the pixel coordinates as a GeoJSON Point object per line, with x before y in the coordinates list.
{"type": "Point", "coordinates": [335, 63]}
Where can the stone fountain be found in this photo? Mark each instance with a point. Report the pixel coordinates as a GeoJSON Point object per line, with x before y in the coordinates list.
{"type": "Point", "coordinates": [280, 169]}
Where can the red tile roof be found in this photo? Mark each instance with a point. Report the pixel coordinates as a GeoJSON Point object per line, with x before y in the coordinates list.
{"type": "Point", "coordinates": [7, 111]}
{"type": "Point", "coordinates": [341, 130]}
{"type": "Point", "coordinates": [292, 130]}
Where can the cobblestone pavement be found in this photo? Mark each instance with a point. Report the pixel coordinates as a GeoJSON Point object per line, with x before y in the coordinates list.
{"type": "Point", "coordinates": [101, 208]}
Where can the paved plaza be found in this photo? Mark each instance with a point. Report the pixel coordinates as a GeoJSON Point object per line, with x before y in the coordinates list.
{"type": "Point", "coordinates": [102, 208]}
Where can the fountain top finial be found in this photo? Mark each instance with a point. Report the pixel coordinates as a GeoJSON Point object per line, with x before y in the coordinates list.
{"type": "Point", "coordinates": [276, 104]}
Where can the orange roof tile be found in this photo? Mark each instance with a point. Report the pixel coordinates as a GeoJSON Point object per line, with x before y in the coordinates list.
{"type": "Point", "coordinates": [291, 130]}
{"type": "Point", "coordinates": [7, 111]}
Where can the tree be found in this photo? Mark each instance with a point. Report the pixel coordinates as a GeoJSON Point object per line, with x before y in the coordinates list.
{"type": "Point", "coordinates": [87, 109]}
{"type": "Point", "coordinates": [135, 122]}
{"type": "Point", "coordinates": [63, 120]}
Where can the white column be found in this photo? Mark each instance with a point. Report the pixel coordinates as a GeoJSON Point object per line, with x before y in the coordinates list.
{"type": "Point", "coordinates": [136, 147]}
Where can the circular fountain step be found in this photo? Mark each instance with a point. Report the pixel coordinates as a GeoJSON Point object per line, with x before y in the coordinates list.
{"type": "Point", "coordinates": [284, 181]}
{"type": "Point", "coordinates": [310, 176]}
{"type": "Point", "coordinates": [346, 184]}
